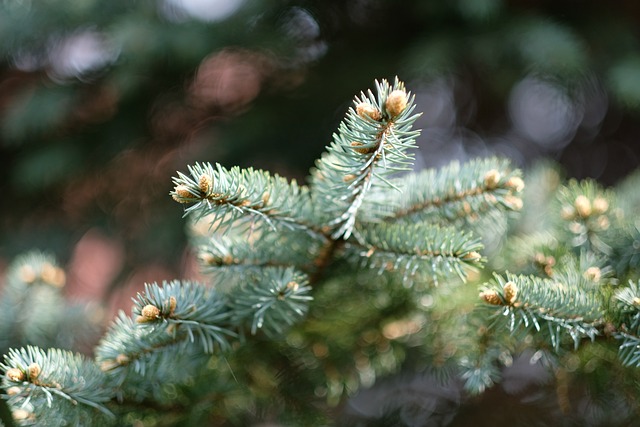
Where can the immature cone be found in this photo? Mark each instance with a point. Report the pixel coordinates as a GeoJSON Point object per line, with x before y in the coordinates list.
{"type": "Point", "coordinates": [491, 297]}
{"type": "Point", "coordinates": [491, 179]}
{"type": "Point", "coordinates": [593, 274]}
{"type": "Point", "coordinates": [181, 193]}
{"type": "Point", "coordinates": [148, 313]}
{"type": "Point", "coordinates": [510, 292]}
{"type": "Point", "coordinates": [583, 206]}
{"type": "Point", "coordinates": [600, 205]}
{"type": "Point", "coordinates": [205, 183]}
{"type": "Point", "coordinates": [15, 374]}
{"type": "Point", "coordinates": [515, 183]}
{"type": "Point", "coordinates": [34, 371]}
{"type": "Point", "coordinates": [396, 102]}
{"type": "Point", "coordinates": [366, 110]}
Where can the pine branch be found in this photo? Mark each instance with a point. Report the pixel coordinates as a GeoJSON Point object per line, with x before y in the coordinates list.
{"type": "Point", "coordinates": [229, 258]}
{"type": "Point", "coordinates": [168, 319]}
{"type": "Point", "coordinates": [452, 194]}
{"type": "Point", "coordinates": [588, 213]}
{"type": "Point", "coordinates": [271, 299]}
{"type": "Point", "coordinates": [371, 144]}
{"type": "Point", "coordinates": [431, 250]}
{"type": "Point", "coordinates": [56, 387]}
{"type": "Point", "coordinates": [548, 306]}
{"type": "Point", "coordinates": [243, 198]}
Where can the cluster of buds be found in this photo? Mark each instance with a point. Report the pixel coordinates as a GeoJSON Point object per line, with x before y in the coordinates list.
{"type": "Point", "coordinates": [394, 105]}
{"type": "Point", "coordinates": [48, 274]}
{"type": "Point", "coordinates": [184, 194]}
{"type": "Point", "coordinates": [546, 263]}
{"type": "Point", "coordinates": [584, 209]}
{"type": "Point", "coordinates": [493, 179]}
{"type": "Point", "coordinates": [151, 313]}
{"type": "Point", "coordinates": [31, 374]}
{"type": "Point", "coordinates": [508, 297]}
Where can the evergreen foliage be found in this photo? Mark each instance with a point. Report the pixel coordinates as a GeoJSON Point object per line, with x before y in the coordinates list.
{"type": "Point", "coordinates": [315, 290]}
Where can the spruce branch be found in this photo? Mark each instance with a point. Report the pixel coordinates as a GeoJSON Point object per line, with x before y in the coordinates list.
{"type": "Point", "coordinates": [271, 299]}
{"type": "Point", "coordinates": [227, 258]}
{"type": "Point", "coordinates": [588, 212]}
{"type": "Point", "coordinates": [371, 144]}
{"type": "Point", "coordinates": [56, 387]}
{"type": "Point", "coordinates": [453, 193]}
{"type": "Point", "coordinates": [431, 250]}
{"type": "Point", "coordinates": [243, 198]}
{"type": "Point", "coordinates": [547, 306]}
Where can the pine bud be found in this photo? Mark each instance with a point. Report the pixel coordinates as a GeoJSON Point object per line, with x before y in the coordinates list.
{"type": "Point", "coordinates": [34, 371]}
{"type": "Point", "coordinates": [12, 391]}
{"type": "Point", "coordinates": [181, 192]}
{"type": "Point", "coordinates": [205, 183]}
{"type": "Point", "coordinates": [491, 179]}
{"type": "Point", "coordinates": [172, 304]}
{"type": "Point", "coordinates": [293, 285]}
{"type": "Point", "coordinates": [122, 359]}
{"type": "Point", "coordinates": [583, 206]}
{"type": "Point", "coordinates": [148, 313]}
{"type": "Point", "coordinates": [603, 222]}
{"type": "Point", "coordinates": [348, 178]}
{"type": "Point", "coordinates": [567, 213]}
{"type": "Point", "coordinates": [515, 183]}
{"type": "Point", "coordinates": [27, 274]}
{"type": "Point", "coordinates": [53, 275]}
{"type": "Point", "coordinates": [396, 102]}
{"type": "Point", "coordinates": [265, 198]}
{"type": "Point", "coordinates": [22, 415]}
{"type": "Point", "coordinates": [15, 375]}
{"type": "Point", "coordinates": [600, 205]}
{"type": "Point", "coordinates": [364, 150]}
{"type": "Point", "coordinates": [366, 110]}
{"type": "Point", "coordinates": [510, 292]}
{"type": "Point", "coordinates": [513, 202]}
{"type": "Point", "coordinates": [593, 274]}
{"type": "Point", "coordinates": [491, 297]}
{"type": "Point", "coordinates": [636, 301]}
{"type": "Point", "coordinates": [472, 256]}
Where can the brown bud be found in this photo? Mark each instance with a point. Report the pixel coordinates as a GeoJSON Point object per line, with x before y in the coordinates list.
{"type": "Point", "coordinates": [515, 183]}
{"type": "Point", "coordinates": [205, 183]}
{"type": "Point", "coordinates": [510, 292]}
{"type": "Point", "coordinates": [148, 313]}
{"type": "Point", "coordinates": [181, 192]}
{"type": "Point", "coordinates": [491, 179]}
{"type": "Point", "coordinates": [34, 371]}
{"type": "Point", "coordinates": [396, 102]}
{"type": "Point", "coordinates": [593, 274]}
{"type": "Point", "coordinates": [364, 150]}
{"type": "Point", "coordinates": [514, 202]}
{"type": "Point", "coordinates": [600, 205]}
{"type": "Point", "coordinates": [366, 110]}
{"type": "Point", "coordinates": [27, 274]}
{"type": "Point", "coordinates": [15, 374]}
{"type": "Point", "coordinates": [122, 359]}
{"type": "Point", "coordinates": [172, 304]}
{"type": "Point", "coordinates": [348, 178]}
{"type": "Point", "coordinates": [12, 391]}
{"type": "Point", "coordinates": [491, 297]}
{"type": "Point", "coordinates": [265, 198]}
{"type": "Point", "coordinates": [472, 256]}
{"type": "Point", "coordinates": [583, 206]}
{"type": "Point", "coordinates": [293, 285]}
{"type": "Point", "coordinates": [53, 275]}
{"type": "Point", "coordinates": [567, 213]}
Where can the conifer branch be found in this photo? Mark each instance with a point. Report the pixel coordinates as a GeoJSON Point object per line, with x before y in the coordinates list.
{"type": "Point", "coordinates": [548, 306]}
{"type": "Point", "coordinates": [453, 193]}
{"type": "Point", "coordinates": [371, 143]}
{"type": "Point", "coordinates": [272, 300]}
{"type": "Point", "coordinates": [243, 198]}
{"type": "Point", "coordinates": [34, 379]}
{"type": "Point", "coordinates": [432, 250]}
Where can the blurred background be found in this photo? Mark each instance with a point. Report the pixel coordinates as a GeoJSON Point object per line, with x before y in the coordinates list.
{"type": "Point", "coordinates": [101, 103]}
